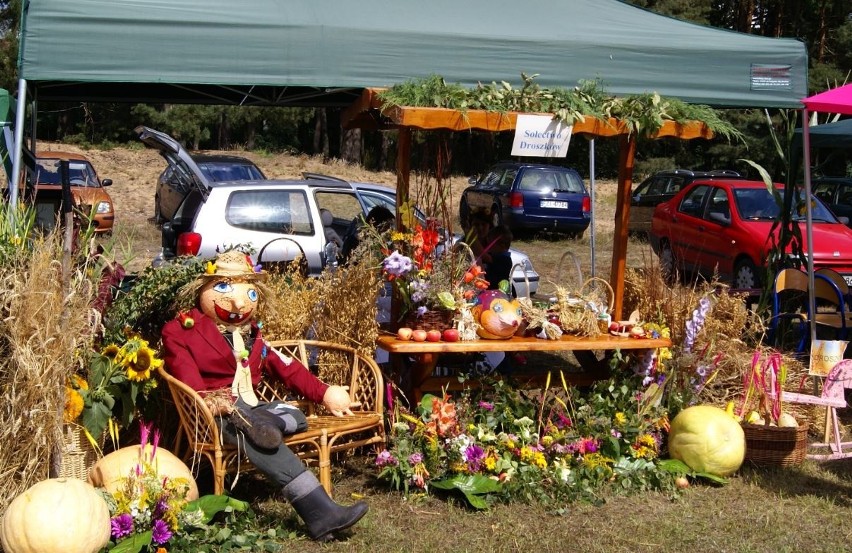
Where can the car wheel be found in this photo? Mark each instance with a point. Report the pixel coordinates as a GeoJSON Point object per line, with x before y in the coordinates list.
{"type": "Point", "coordinates": [745, 275]}
{"type": "Point", "coordinates": [668, 263]}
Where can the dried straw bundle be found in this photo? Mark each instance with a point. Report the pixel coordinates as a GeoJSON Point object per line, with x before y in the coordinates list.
{"type": "Point", "coordinates": [339, 306]}
{"type": "Point", "coordinates": [43, 324]}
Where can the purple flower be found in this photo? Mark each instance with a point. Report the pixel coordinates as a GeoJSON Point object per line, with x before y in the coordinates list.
{"type": "Point", "coordinates": [484, 405]}
{"type": "Point", "coordinates": [122, 525]}
{"type": "Point", "coordinates": [160, 532]}
{"type": "Point", "coordinates": [385, 458]}
{"type": "Point", "coordinates": [694, 325]}
{"type": "Point", "coordinates": [422, 310]}
{"type": "Point", "coordinates": [474, 455]}
{"type": "Point", "coordinates": [160, 508]}
{"type": "Point", "coordinates": [397, 264]}
{"type": "Point", "coordinates": [415, 458]}
{"type": "Point", "coordinates": [562, 420]}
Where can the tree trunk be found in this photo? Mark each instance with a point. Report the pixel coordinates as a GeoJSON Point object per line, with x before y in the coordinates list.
{"type": "Point", "coordinates": [350, 149]}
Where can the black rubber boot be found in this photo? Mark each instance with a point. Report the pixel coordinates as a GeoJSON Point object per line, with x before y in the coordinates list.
{"type": "Point", "coordinates": [259, 427]}
{"type": "Point", "coordinates": [319, 512]}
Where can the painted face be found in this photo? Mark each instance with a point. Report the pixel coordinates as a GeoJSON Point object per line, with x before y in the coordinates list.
{"type": "Point", "coordinates": [228, 302]}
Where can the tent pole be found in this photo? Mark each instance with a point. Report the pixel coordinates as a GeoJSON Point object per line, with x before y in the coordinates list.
{"type": "Point", "coordinates": [19, 144]}
{"type": "Point", "coordinates": [592, 194]}
{"type": "Point", "coordinates": [809, 225]}
{"type": "Point", "coordinates": [626, 155]}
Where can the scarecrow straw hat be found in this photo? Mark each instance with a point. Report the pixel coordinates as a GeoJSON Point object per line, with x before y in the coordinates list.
{"type": "Point", "coordinates": [232, 264]}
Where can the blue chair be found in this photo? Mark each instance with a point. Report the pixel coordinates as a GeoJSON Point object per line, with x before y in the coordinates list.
{"type": "Point", "coordinates": [789, 322]}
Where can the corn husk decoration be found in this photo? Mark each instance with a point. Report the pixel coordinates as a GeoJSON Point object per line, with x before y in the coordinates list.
{"type": "Point", "coordinates": [537, 320]}
{"type": "Point", "coordinates": [466, 324]}
{"type": "Point", "coordinates": [577, 315]}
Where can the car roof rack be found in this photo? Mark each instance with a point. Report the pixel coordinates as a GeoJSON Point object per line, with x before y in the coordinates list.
{"type": "Point", "coordinates": [326, 180]}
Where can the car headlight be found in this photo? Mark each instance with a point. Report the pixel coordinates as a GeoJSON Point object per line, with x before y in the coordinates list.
{"type": "Point", "coordinates": [104, 207]}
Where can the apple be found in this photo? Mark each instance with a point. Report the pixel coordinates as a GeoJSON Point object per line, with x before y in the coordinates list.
{"type": "Point", "coordinates": [450, 335]}
{"type": "Point", "coordinates": [433, 335]}
{"type": "Point", "coordinates": [613, 326]}
{"type": "Point", "coordinates": [404, 333]}
{"type": "Point", "coordinates": [682, 482]}
{"type": "Point", "coordinates": [418, 335]}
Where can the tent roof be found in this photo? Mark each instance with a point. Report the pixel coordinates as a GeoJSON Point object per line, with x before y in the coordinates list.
{"type": "Point", "coordinates": [323, 52]}
{"type": "Point", "coordinates": [828, 135]}
{"type": "Point", "coordinates": [836, 100]}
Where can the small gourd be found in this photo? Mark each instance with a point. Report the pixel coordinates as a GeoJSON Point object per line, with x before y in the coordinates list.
{"type": "Point", "coordinates": [498, 315]}
{"type": "Point", "coordinates": [110, 471]}
{"type": "Point", "coordinates": [59, 515]}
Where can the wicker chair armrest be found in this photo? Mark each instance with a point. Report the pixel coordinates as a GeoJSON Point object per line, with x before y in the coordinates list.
{"type": "Point", "coordinates": [366, 385]}
{"type": "Point", "coordinates": [197, 422]}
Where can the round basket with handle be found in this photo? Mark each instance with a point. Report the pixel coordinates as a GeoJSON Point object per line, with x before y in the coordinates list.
{"type": "Point", "coordinates": [283, 264]}
{"type": "Point", "coordinates": [568, 273]}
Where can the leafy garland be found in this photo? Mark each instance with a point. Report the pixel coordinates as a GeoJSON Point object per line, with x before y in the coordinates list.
{"type": "Point", "coordinates": [643, 114]}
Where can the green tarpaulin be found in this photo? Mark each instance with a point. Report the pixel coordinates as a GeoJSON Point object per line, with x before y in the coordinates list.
{"type": "Point", "coordinates": [322, 52]}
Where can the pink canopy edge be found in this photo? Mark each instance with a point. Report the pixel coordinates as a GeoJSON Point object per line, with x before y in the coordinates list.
{"type": "Point", "coordinates": [836, 100]}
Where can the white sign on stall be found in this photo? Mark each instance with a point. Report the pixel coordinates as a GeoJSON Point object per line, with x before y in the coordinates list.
{"type": "Point", "coordinates": [541, 136]}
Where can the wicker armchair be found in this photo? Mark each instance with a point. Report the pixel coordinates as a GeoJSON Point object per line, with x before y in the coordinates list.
{"type": "Point", "coordinates": [326, 434]}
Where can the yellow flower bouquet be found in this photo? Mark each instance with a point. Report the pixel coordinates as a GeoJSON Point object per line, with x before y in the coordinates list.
{"type": "Point", "coordinates": [117, 382]}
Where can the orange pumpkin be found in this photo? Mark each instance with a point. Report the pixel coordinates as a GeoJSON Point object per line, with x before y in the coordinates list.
{"type": "Point", "coordinates": [498, 315]}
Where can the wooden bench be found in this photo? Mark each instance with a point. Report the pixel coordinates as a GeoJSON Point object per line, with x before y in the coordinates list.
{"type": "Point", "coordinates": [326, 434]}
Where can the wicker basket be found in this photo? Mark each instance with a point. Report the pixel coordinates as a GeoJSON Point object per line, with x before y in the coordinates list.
{"type": "Point", "coordinates": [775, 446]}
{"type": "Point", "coordinates": [434, 319]}
{"type": "Point", "coordinates": [78, 454]}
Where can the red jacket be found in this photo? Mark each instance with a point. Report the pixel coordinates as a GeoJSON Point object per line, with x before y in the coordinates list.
{"type": "Point", "coordinates": [203, 359]}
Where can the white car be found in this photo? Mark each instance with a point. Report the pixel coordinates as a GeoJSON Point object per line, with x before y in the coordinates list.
{"type": "Point", "coordinates": [279, 219]}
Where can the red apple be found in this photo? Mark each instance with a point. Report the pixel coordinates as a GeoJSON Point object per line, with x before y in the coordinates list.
{"type": "Point", "coordinates": [433, 335]}
{"type": "Point", "coordinates": [450, 335]}
{"type": "Point", "coordinates": [419, 335]}
{"type": "Point", "coordinates": [404, 333]}
{"type": "Point", "coordinates": [613, 326]}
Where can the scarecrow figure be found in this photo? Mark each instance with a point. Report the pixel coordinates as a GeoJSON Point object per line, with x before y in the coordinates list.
{"type": "Point", "coordinates": [217, 349]}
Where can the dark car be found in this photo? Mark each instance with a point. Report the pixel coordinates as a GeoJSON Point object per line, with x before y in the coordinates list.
{"type": "Point", "coordinates": [529, 196]}
{"type": "Point", "coordinates": [836, 193]}
{"type": "Point", "coordinates": [662, 187]}
{"type": "Point", "coordinates": [723, 226]}
{"type": "Point", "coordinates": [216, 168]}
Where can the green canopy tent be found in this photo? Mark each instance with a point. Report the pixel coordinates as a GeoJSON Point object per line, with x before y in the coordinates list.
{"type": "Point", "coordinates": [326, 53]}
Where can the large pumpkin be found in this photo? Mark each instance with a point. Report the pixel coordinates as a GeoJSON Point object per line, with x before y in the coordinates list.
{"type": "Point", "coordinates": [498, 315]}
{"type": "Point", "coordinates": [60, 515]}
{"type": "Point", "coordinates": [707, 439]}
{"type": "Point", "coordinates": [109, 472]}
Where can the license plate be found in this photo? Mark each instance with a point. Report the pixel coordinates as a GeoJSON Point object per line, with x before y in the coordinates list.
{"type": "Point", "coordinates": [848, 279]}
{"type": "Point", "coordinates": [554, 204]}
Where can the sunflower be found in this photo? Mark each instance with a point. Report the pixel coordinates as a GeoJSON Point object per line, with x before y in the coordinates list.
{"type": "Point", "coordinates": [73, 405]}
{"type": "Point", "coordinates": [140, 364]}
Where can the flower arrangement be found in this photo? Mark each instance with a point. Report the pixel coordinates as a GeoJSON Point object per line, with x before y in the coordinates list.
{"type": "Point", "coordinates": [676, 376]}
{"type": "Point", "coordinates": [497, 442]}
{"type": "Point", "coordinates": [117, 382]}
{"type": "Point", "coordinates": [148, 510]}
{"type": "Point", "coordinates": [428, 277]}
{"type": "Point", "coordinates": [763, 390]}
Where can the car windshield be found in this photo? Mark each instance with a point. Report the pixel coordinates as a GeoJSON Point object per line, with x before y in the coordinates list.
{"type": "Point", "coordinates": [543, 180]}
{"type": "Point", "coordinates": [228, 171]}
{"type": "Point", "coordinates": [757, 204]}
{"type": "Point", "coordinates": [80, 173]}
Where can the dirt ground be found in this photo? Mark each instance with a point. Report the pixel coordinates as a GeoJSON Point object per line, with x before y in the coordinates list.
{"type": "Point", "coordinates": [134, 173]}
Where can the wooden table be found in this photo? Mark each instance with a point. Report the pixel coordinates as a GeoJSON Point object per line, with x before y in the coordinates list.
{"type": "Point", "coordinates": [425, 354]}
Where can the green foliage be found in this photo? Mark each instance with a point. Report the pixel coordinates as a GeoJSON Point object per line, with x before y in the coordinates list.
{"type": "Point", "coordinates": [643, 114]}
{"type": "Point", "coordinates": [150, 300]}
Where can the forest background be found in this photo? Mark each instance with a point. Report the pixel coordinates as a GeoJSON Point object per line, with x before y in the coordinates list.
{"type": "Point", "coordinates": [825, 26]}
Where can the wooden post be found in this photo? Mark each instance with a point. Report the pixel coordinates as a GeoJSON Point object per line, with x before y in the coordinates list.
{"type": "Point", "coordinates": [627, 152]}
{"type": "Point", "coordinates": [403, 174]}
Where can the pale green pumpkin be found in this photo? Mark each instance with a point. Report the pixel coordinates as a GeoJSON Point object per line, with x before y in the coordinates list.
{"type": "Point", "coordinates": [707, 439]}
{"type": "Point", "coordinates": [59, 515]}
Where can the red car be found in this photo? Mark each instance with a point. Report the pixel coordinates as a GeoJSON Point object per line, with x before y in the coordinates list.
{"type": "Point", "coordinates": [723, 226]}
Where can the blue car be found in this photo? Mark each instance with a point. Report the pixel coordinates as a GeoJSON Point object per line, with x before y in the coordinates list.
{"type": "Point", "coordinates": [529, 196]}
